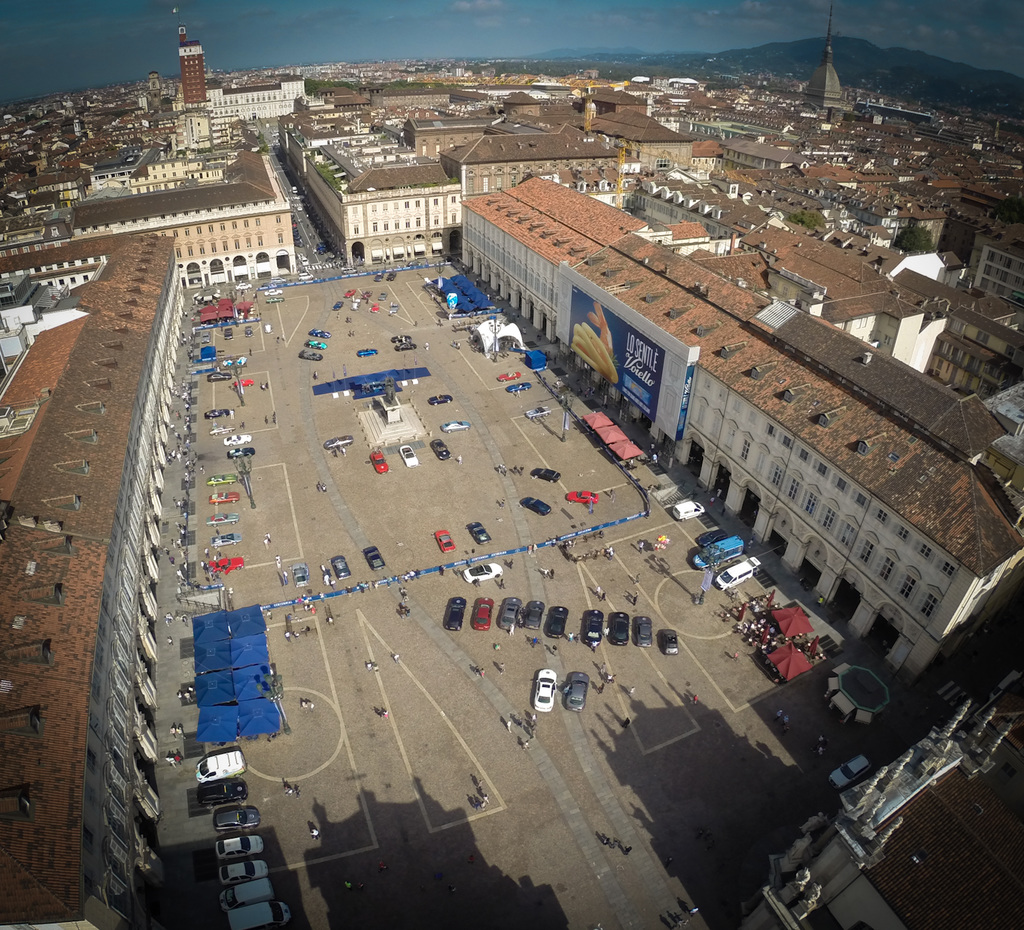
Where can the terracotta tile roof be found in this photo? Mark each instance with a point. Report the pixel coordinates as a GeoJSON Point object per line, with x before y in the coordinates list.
{"type": "Point", "coordinates": [565, 142]}
{"type": "Point", "coordinates": [970, 859]}
{"type": "Point", "coordinates": [398, 176]}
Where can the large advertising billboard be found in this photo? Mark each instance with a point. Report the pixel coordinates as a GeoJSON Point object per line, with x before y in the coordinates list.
{"type": "Point", "coordinates": [623, 356]}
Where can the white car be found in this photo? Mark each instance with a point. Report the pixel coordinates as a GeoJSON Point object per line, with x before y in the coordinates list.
{"type": "Point", "coordinates": [483, 572]}
{"type": "Point", "coordinates": [238, 872]}
{"type": "Point", "coordinates": [545, 687]}
{"type": "Point", "coordinates": [239, 439]}
{"type": "Point", "coordinates": [408, 456]}
{"type": "Point", "coordinates": [684, 510]}
{"type": "Point", "coordinates": [220, 430]}
{"type": "Point", "coordinates": [737, 574]}
{"type": "Point", "coordinates": [849, 772]}
{"type": "Point", "coordinates": [537, 413]}
{"type": "Point", "coordinates": [238, 847]}
{"type": "Point", "coordinates": [274, 292]}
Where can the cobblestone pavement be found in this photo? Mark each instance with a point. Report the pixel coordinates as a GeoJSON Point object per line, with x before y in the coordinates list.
{"type": "Point", "coordinates": [701, 752]}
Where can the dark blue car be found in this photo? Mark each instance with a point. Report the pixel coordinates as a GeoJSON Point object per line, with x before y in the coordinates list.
{"type": "Point", "coordinates": [537, 506]}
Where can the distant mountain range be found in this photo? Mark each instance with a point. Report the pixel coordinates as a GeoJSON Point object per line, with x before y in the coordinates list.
{"type": "Point", "coordinates": [900, 72]}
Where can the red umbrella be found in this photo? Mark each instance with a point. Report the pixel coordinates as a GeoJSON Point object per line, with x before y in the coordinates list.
{"type": "Point", "coordinates": [610, 433]}
{"type": "Point", "coordinates": [743, 609]}
{"type": "Point", "coordinates": [813, 651]}
{"type": "Point", "coordinates": [597, 419]}
{"type": "Point", "coordinates": [771, 597]}
{"type": "Point", "coordinates": [792, 621]}
{"type": "Point", "coordinates": [764, 634]}
{"type": "Point", "coordinates": [790, 661]}
{"type": "Point", "coordinates": [625, 449]}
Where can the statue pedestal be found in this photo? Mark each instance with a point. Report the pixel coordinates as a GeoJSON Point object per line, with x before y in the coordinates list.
{"type": "Point", "coordinates": [392, 410]}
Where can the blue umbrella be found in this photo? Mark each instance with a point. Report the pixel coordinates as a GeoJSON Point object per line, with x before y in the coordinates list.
{"type": "Point", "coordinates": [251, 682]}
{"type": "Point", "coordinates": [210, 628]}
{"type": "Point", "coordinates": [248, 621]}
{"type": "Point", "coordinates": [212, 657]}
{"type": "Point", "coordinates": [249, 650]}
{"type": "Point", "coordinates": [214, 688]}
{"type": "Point", "coordinates": [258, 717]}
{"type": "Point", "coordinates": [217, 724]}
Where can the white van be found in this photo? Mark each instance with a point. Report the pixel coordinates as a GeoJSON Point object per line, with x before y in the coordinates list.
{"type": "Point", "coordinates": [255, 916]}
{"type": "Point", "coordinates": [220, 765]}
{"type": "Point", "coordinates": [737, 574]}
{"type": "Point", "coordinates": [254, 892]}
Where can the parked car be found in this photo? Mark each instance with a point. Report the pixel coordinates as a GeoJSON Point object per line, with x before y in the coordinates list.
{"type": "Point", "coordinates": [238, 872]}
{"type": "Point", "coordinates": [711, 537]}
{"type": "Point", "coordinates": [219, 412]}
{"type": "Point", "coordinates": [224, 763]}
{"type": "Point", "coordinates": [482, 572]}
{"type": "Point", "coordinates": [440, 449]}
{"type": "Point", "coordinates": [320, 334]}
{"type": "Point", "coordinates": [440, 399]}
{"type": "Point", "coordinates": [236, 818]}
{"type": "Point", "coordinates": [557, 619]}
{"type": "Point", "coordinates": [533, 615]}
{"type": "Point", "coordinates": [454, 613]}
{"type": "Point", "coordinates": [244, 452]}
{"type": "Point", "coordinates": [408, 456]}
{"type": "Point", "coordinates": [510, 376]}
{"type": "Point", "coordinates": [482, 610]}
{"type": "Point", "coordinates": [340, 565]}
{"type": "Point", "coordinates": [576, 686]}
{"type": "Point", "coordinates": [537, 413]}
{"type": "Point", "coordinates": [245, 382]}
{"type": "Point", "coordinates": [536, 505]}
{"type": "Point", "coordinates": [849, 772]}
{"type": "Point", "coordinates": [225, 497]}
{"type": "Point", "coordinates": [379, 463]}
{"type": "Point", "coordinates": [545, 685]}
{"type": "Point", "coordinates": [479, 534]}
{"type": "Point", "coordinates": [219, 519]}
{"type": "Point", "coordinates": [684, 510]}
{"type": "Point", "coordinates": [225, 539]}
{"type": "Point", "coordinates": [227, 565]}
{"type": "Point", "coordinates": [401, 337]}
{"type": "Point", "coordinates": [300, 574]}
{"type": "Point", "coordinates": [221, 792]}
{"type": "Point", "coordinates": [508, 615]}
{"type": "Point", "coordinates": [644, 631]}
{"type": "Point", "coordinates": [518, 388]}
{"type": "Point", "coordinates": [218, 376]}
{"type": "Point", "coordinates": [391, 275]}
{"type": "Point", "coordinates": [669, 640]}
{"type": "Point", "coordinates": [238, 847]}
{"type": "Point", "coordinates": [339, 442]}
{"type": "Point", "coordinates": [737, 574]}
{"type": "Point", "coordinates": [545, 474]}
{"type": "Point", "coordinates": [405, 346]}
{"type": "Point", "coordinates": [315, 344]}
{"type": "Point", "coordinates": [592, 627]}
{"type": "Point", "coordinates": [618, 628]}
{"type": "Point", "coordinates": [308, 356]}
{"type": "Point", "coordinates": [455, 426]}
{"type": "Point", "coordinates": [583, 497]}
{"type": "Point", "coordinates": [373, 558]}
{"type": "Point", "coordinates": [445, 541]}
{"type": "Point", "coordinates": [363, 353]}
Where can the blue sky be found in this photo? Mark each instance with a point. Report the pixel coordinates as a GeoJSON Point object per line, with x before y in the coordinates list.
{"type": "Point", "coordinates": [46, 47]}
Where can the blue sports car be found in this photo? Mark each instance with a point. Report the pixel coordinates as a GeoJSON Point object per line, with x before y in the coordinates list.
{"type": "Point", "coordinates": [319, 334]}
{"type": "Point", "coordinates": [521, 386]}
{"type": "Point", "coordinates": [362, 353]}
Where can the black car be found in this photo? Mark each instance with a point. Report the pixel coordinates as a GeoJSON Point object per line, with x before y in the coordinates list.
{"type": "Point", "coordinates": [236, 818]}
{"type": "Point", "coordinates": [404, 346]}
{"type": "Point", "coordinates": [557, 619]}
{"type": "Point", "coordinates": [401, 338]}
{"type": "Point", "coordinates": [545, 474]}
{"type": "Point", "coordinates": [537, 506]}
{"type": "Point", "coordinates": [576, 686]}
{"type": "Point", "coordinates": [644, 631]}
{"type": "Point", "coordinates": [391, 275]}
{"type": "Point", "coordinates": [229, 333]}
{"type": "Point", "coordinates": [340, 565]}
{"type": "Point", "coordinates": [593, 627]}
{"type": "Point", "coordinates": [669, 642]}
{"type": "Point", "coordinates": [533, 614]}
{"type": "Point", "coordinates": [440, 449]}
{"type": "Point", "coordinates": [711, 537]}
{"type": "Point", "coordinates": [219, 376]}
{"type": "Point", "coordinates": [244, 452]}
{"type": "Point", "coordinates": [311, 356]}
{"type": "Point", "coordinates": [373, 558]}
{"type": "Point", "coordinates": [477, 531]}
{"type": "Point", "coordinates": [454, 613]}
{"type": "Point", "coordinates": [213, 414]}
{"type": "Point", "coordinates": [618, 628]}
{"type": "Point", "coordinates": [221, 792]}
{"type": "Point", "coordinates": [440, 399]}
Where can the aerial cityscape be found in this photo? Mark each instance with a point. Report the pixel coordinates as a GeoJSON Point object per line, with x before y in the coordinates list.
{"type": "Point", "coordinates": [483, 464]}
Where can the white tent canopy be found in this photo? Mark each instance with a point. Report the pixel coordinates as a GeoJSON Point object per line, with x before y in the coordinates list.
{"type": "Point", "coordinates": [492, 332]}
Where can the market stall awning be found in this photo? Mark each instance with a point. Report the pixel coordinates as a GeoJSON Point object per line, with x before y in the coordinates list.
{"type": "Point", "coordinates": [215, 688]}
{"type": "Point", "coordinates": [258, 717]}
{"type": "Point", "coordinates": [864, 688]}
{"type": "Point", "coordinates": [790, 661]}
{"type": "Point", "coordinates": [210, 628]}
{"type": "Point", "coordinates": [247, 621]}
{"type": "Point", "coordinates": [249, 650]}
{"type": "Point", "coordinates": [212, 657]}
{"type": "Point", "coordinates": [217, 724]}
{"type": "Point", "coordinates": [792, 621]}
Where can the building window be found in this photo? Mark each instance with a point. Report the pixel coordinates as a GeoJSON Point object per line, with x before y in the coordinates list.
{"type": "Point", "coordinates": [881, 516]}
{"type": "Point", "coordinates": [846, 536]}
{"type": "Point", "coordinates": [841, 484]}
{"type": "Point", "coordinates": [407, 205]}
{"type": "Point", "coordinates": [886, 570]}
{"type": "Point", "coordinates": [907, 588]}
{"type": "Point", "coordinates": [375, 227]}
{"type": "Point", "coordinates": [829, 518]}
{"type": "Point", "coordinates": [811, 504]}
{"type": "Point", "coordinates": [903, 532]}
{"type": "Point", "coordinates": [866, 552]}
{"type": "Point", "coordinates": [804, 455]}
{"type": "Point", "coordinates": [787, 441]}
{"type": "Point", "coordinates": [861, 499]}
{"type": "Point", "coordinates": [925, 550]}
{"type": "Point", "coordinates": [929, 604]}
{"type": "Point", "coordinates": [948, 569]}
{"type": "Point", "coordinates": [246, 223]}
{"type": "Point", "coordinates": [745, 450]}
{"type": "Point", "coordinates": [776, 475]}
{"type": "Point", "coordinates": [794, 489]}
{"type": "Point", "coordinates": [770, 429]}
{"type": "Point", "coordinates": [822, 469]}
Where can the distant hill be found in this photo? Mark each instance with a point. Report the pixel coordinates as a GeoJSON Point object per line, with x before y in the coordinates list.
{"type": "Point", "coordinates": [898, 72]}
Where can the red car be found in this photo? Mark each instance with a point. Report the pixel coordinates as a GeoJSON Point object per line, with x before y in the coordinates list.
{"type": "Point", "coordinates": [444, 540]}
{"type": "Point", "coordinates": [351, 293]}
{"type": "Point", "coordinates": [482, 610]}
{"type": "Point", "coordinates": [246, 382]}
{"type": "Point", "coordinates": [378, 461]}
{"type": "Point", "coordinates": [225, 497]}
{"type": "Point", "coordinates": [227, 565]}
{"type": "Point", "coordinates": [583, 497]}
{"type": "Point", "coordinates": [510, 376]}
{"type": "Point", "coordinates": [375, 308]}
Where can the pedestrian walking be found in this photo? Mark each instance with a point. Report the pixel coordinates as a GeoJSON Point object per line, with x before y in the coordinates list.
{"type": "Point", "coordinates": [266, 540]}
{"type": "Point", "coordinates": [501, 668]}
{"type": "Point", "coordinates": [630, 690]}
{"type": "Point", "coordinates": [170, 640]}
{"type": "Point", "coordinates": [508, 725]}
{"type": "Point", "coordinates": [395, 657]}
{"type": "Point", "coordinates": [458, 459]}
{"type": "Point", "coordinates": [314, 833]}
{"type": "Point", "coordinates": [626, 723]}
{"type": "Point", "coordinates": [695, 699]}
{"type": "Point", "coordinates": [599, 592]}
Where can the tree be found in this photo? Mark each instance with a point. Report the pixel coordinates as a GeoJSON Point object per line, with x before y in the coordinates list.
{"type": "Point", "coordinates": [1011, 210]}
{"type": "Point", "coordinates": [812, 219]}
{"type": "Point", "coordinates": [914, 239]}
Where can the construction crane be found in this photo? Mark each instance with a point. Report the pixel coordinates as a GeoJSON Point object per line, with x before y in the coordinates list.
{"type": "Point", "coordinates": [625, 146]}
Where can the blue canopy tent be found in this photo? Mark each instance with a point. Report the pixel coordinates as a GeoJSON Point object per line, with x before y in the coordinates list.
{"type": "Point", "coordinates": [213, 657]}
{"type": "Point", "coordinates": [258, 717]}
{"type": "Point", "coordinates": [217, 724]}
{"type": "Point", "coordinates": [247, 622]}
{"type": "Point", "coordinates": [249, 650]}
{"type": "Point", "coordinates": [251, 682]}
{"type": "Point", "coordinates": [215, 688]}
{"type": "Point", "coordinates": [210, 628]}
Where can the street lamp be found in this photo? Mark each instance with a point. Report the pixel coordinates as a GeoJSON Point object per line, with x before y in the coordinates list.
{"type": "Point", "coordinates": [275, 693]}
{"type": "Point", "coordinates": [245, 473]}
{"type": "Point", "coordinates": [565, 399]}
